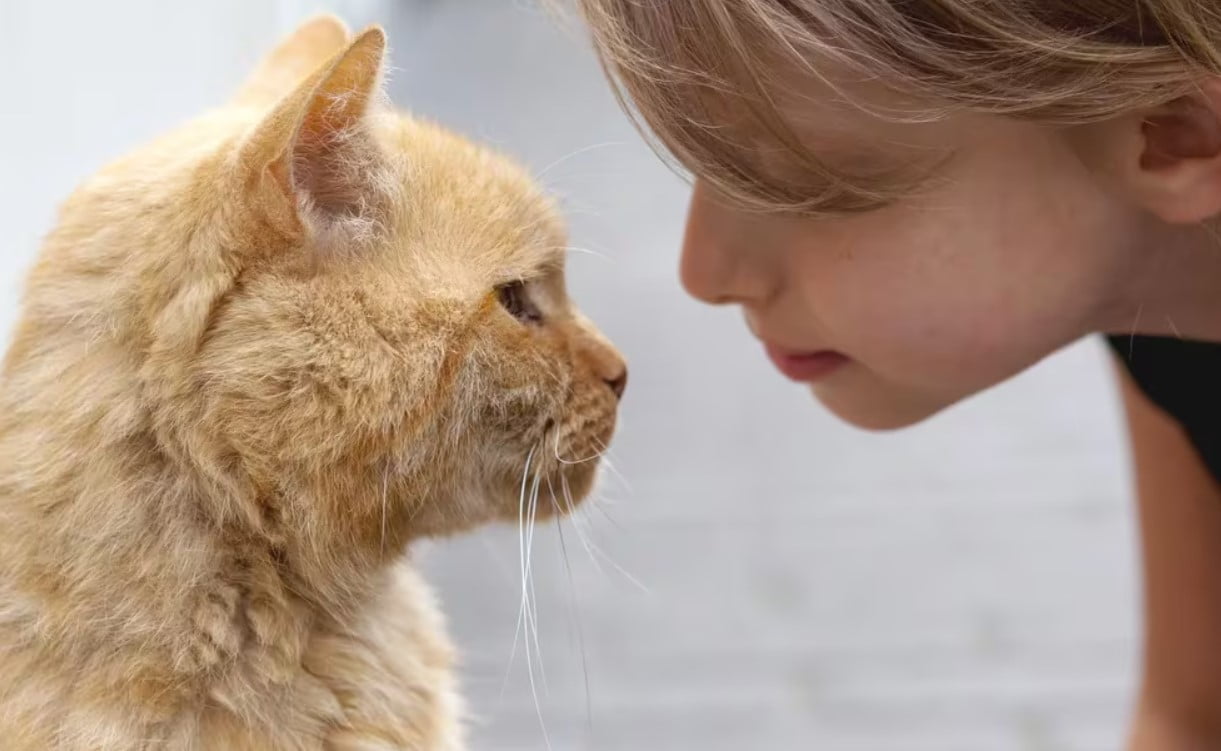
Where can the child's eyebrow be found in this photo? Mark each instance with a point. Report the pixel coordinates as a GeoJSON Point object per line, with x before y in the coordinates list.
{"type": "Point", "coordinates": [838, 177]}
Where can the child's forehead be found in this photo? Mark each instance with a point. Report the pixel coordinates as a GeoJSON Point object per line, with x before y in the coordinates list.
{"type": "Point", "coordinates": [836, 103]}
{"type": "Point", "coordinates": [780, 128]}
{"type": "Point", "coordinates": [849, 120]}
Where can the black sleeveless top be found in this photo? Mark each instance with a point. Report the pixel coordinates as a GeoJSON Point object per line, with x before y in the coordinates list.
{"type": "Point", "coordinates": [1183, 378]}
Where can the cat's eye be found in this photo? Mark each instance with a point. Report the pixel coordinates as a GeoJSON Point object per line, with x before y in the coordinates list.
{"type": "Point", "coordinates": [515, 298]}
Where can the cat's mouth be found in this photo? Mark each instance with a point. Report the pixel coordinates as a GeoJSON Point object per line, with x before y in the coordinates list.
{"type": "Point", "coordinates": [562, 467]}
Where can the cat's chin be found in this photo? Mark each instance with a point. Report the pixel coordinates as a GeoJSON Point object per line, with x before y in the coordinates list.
{"type": "Point", "coordinates": [565, 470]}
{"type": "Point", "coordinates": [552, 494]}
{"type": "Point", "coordinates": [578, 482]}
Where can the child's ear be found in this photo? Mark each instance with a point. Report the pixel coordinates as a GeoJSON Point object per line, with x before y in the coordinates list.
{"type": "Point", "coordinates": [1173, 162]}
{"type": "Point", "coordinates": [301, 53]}
{"type": "Point", "coordinates": [312, 160]}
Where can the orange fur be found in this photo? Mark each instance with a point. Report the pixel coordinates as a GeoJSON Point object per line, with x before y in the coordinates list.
{"type": "Point", "coordinates": [257, 359]}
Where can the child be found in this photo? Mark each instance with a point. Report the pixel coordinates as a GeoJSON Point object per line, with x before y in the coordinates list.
{"type": "Point", "coordinates": [913, 200]}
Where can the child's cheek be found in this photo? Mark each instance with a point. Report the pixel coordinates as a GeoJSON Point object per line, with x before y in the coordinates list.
{"type": "Point", "coordinates": [918, 313]}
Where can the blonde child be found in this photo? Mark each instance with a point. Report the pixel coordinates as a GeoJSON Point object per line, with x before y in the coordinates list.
{"type": "Point", "coordinates": [913, 200]}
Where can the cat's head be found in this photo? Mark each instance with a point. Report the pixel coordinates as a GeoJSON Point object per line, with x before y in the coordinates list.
{"type": "Point", "coordinates": [366, 323]}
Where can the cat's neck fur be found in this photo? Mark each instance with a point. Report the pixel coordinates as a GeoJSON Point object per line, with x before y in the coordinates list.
{"type": "Point", "coordinates": [134, 540]}
{"type": "Point", "coordinates": [129, 555]}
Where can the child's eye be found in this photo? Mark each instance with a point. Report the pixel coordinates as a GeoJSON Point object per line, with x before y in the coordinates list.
{"type": "Point", "coordinates": [515, 299]}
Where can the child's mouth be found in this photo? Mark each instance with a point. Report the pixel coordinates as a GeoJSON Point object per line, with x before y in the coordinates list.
{"type": "Point", "coordinates": [806, 367]}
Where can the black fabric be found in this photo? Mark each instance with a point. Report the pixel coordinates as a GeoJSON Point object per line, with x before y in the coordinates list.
{"type": "Point", "coordinates": [1182, 377]}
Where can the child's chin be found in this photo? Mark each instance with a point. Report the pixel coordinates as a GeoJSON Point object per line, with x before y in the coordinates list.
{"type": "Point", "coordinates": [878, 410]}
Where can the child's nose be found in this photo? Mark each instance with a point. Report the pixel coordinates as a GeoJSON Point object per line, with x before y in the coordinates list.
{"type": "Point", "coordinates": [718, 267]}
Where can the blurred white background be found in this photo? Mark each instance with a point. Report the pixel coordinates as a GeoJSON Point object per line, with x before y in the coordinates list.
{"type": "Point", "coordinates": [764, 578]}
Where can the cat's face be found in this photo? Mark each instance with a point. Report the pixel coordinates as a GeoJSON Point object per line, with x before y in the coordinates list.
{"type": "Point", "coordinates": [398, 345]}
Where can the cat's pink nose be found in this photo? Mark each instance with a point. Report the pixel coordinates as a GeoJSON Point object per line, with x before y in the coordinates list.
{"type": "Point", "coordinates": [618, 383]}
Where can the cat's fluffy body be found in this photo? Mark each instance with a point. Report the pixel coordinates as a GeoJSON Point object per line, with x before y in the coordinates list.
{"type": "Point", "coordinates": [256, 359]}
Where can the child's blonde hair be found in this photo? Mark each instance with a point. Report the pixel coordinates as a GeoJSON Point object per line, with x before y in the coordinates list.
{"type": "Point", "coordinates": [683, 63]}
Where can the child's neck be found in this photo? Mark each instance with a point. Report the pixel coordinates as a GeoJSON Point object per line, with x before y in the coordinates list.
{"type": "Point", "coordinates": [1174, 288]}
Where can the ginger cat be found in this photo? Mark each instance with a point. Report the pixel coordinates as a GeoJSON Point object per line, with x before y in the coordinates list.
{"type": "Point", "coordinates": [257, 359]}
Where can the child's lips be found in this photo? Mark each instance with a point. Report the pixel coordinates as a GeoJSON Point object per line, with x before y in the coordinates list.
{"type": "Point", "coordinates": [805, 367]}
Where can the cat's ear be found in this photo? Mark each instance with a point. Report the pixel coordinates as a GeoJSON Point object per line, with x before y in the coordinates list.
{"type": "Point", "coordinates": [313, 43]}
{"type": "Point", "coordinates": [313, 160]}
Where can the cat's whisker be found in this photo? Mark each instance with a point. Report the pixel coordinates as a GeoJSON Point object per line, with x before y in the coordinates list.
{"type": "Point", "coordinates": [602, 502]}
{"type": "Point", "coordinates": [572, 155]}
{"type": "Point", "coordinates": [530, 574]}
{"type": "Point", "coordinates": [576, 523]}
{"type": "Point", "coordinates": [602, 505]}
{"type": "Point", "coordinates": [529, 586]}
{"type": "Point", "coordinates": [584, 251]}
{"type": "Point", "coordinates": [556, 451]}
{"type": "Point", "coordinates": [527, 618]}
{"type": "Point", "coordinates": [609, 459]}
{"type": "Point", "coordinates": [595, 551]}
{"type": "Point", "coordinates": [612, 470]}
{"type": "Point", "coordinates": [588, 252]}
{"type": "Point", "coordinates": [521, 547]}
{"type": "Point", "coordinates": [573, 206]}
{"type": "Point", "coordinates": [622, 571]}
{"type": "Point", "coordinates": [575, 608]}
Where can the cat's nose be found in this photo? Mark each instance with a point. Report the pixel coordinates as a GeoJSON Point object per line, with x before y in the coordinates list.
{"type": "Point", "coordinates": [600, 356]}
{"type": "Point", "coordinates": [618, 383]}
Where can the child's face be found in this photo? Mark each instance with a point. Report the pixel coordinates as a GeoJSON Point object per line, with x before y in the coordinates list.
{"type": "Point", "coordinates": [1012, 250]}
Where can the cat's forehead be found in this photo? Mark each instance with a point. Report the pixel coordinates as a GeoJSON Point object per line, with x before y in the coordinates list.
{"type": "Point", "coordinates": [472, 203]}
{"type": "Point", "coordinates": [540, 249]}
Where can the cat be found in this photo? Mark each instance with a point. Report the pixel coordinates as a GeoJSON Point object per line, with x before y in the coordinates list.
{"type": "Point", "coordinates": [256, 360]}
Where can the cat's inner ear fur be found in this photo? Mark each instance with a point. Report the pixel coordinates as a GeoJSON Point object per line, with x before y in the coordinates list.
{"type": "Point", "coordinates": [313, 161]}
